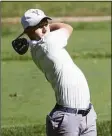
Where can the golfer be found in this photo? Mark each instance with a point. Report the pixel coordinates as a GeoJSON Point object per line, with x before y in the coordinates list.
{"type": "Point", "coordinates": [73, 114]}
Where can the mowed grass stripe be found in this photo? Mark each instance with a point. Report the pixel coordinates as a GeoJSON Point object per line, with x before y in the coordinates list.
{"type": "Point", "coordinates": [17, 28]}
{"type": "Point", "coordinates": [90, 43]}
{"type": "Point", "coordinates": [84, 55]}
{"type": "Point", "coordinates": [103, 129]}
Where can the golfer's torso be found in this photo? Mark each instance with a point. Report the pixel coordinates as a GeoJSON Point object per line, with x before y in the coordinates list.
{"type": "Point", "coordinates": [69, 83]}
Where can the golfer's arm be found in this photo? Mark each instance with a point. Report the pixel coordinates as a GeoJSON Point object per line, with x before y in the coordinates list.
{"type": "Point", "coordinates": [56, 26]}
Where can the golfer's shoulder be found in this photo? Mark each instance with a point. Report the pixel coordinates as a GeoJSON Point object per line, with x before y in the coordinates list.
{"type": "Point", "coordinates": [60, 33]}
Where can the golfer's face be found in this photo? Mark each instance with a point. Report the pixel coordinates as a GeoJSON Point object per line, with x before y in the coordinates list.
{"type": "Point", "coordinates": [38, 31]}
{"type": "Point", "coordinates": [42, 28]}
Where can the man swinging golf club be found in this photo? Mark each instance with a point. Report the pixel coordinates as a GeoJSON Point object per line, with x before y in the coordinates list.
{"type": "Point", "coordinates": [73, 114]}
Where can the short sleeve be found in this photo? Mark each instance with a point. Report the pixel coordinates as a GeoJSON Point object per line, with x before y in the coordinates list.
{"type": "Point", "coordinates": [57, 39]}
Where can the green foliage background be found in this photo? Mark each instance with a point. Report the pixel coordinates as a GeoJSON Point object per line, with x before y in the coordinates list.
{"type": "Point", "coordinates": [58, 8]}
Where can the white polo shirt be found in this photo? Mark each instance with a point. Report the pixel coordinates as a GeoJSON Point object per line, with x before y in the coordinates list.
{"type": "Point", "coordinates": [67, 80]}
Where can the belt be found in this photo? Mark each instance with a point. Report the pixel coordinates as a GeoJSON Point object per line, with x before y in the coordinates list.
{"type": "Point", "coordinates": [72, 110]}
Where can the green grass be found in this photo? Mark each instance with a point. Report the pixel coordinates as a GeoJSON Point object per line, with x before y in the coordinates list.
{"type": "Point", "coordinates": [58, 8]}
{"type": "Point", "coordinates": [104, 129]}
{"type": "Point", "coordinates": [87, 40]}
{"type": "Point", "coordinates": [27, 97]}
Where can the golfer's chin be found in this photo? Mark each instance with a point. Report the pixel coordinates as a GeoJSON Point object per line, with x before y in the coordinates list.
{"type": "Point", "coordinates": [40, 36]}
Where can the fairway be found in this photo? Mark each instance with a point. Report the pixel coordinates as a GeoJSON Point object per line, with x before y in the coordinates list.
{"type": "Point", "coordinates": [27, 97]}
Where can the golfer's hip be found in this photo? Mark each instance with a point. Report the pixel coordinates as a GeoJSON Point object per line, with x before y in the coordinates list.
{"type": "Point", "coordinates": [66, 121]}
